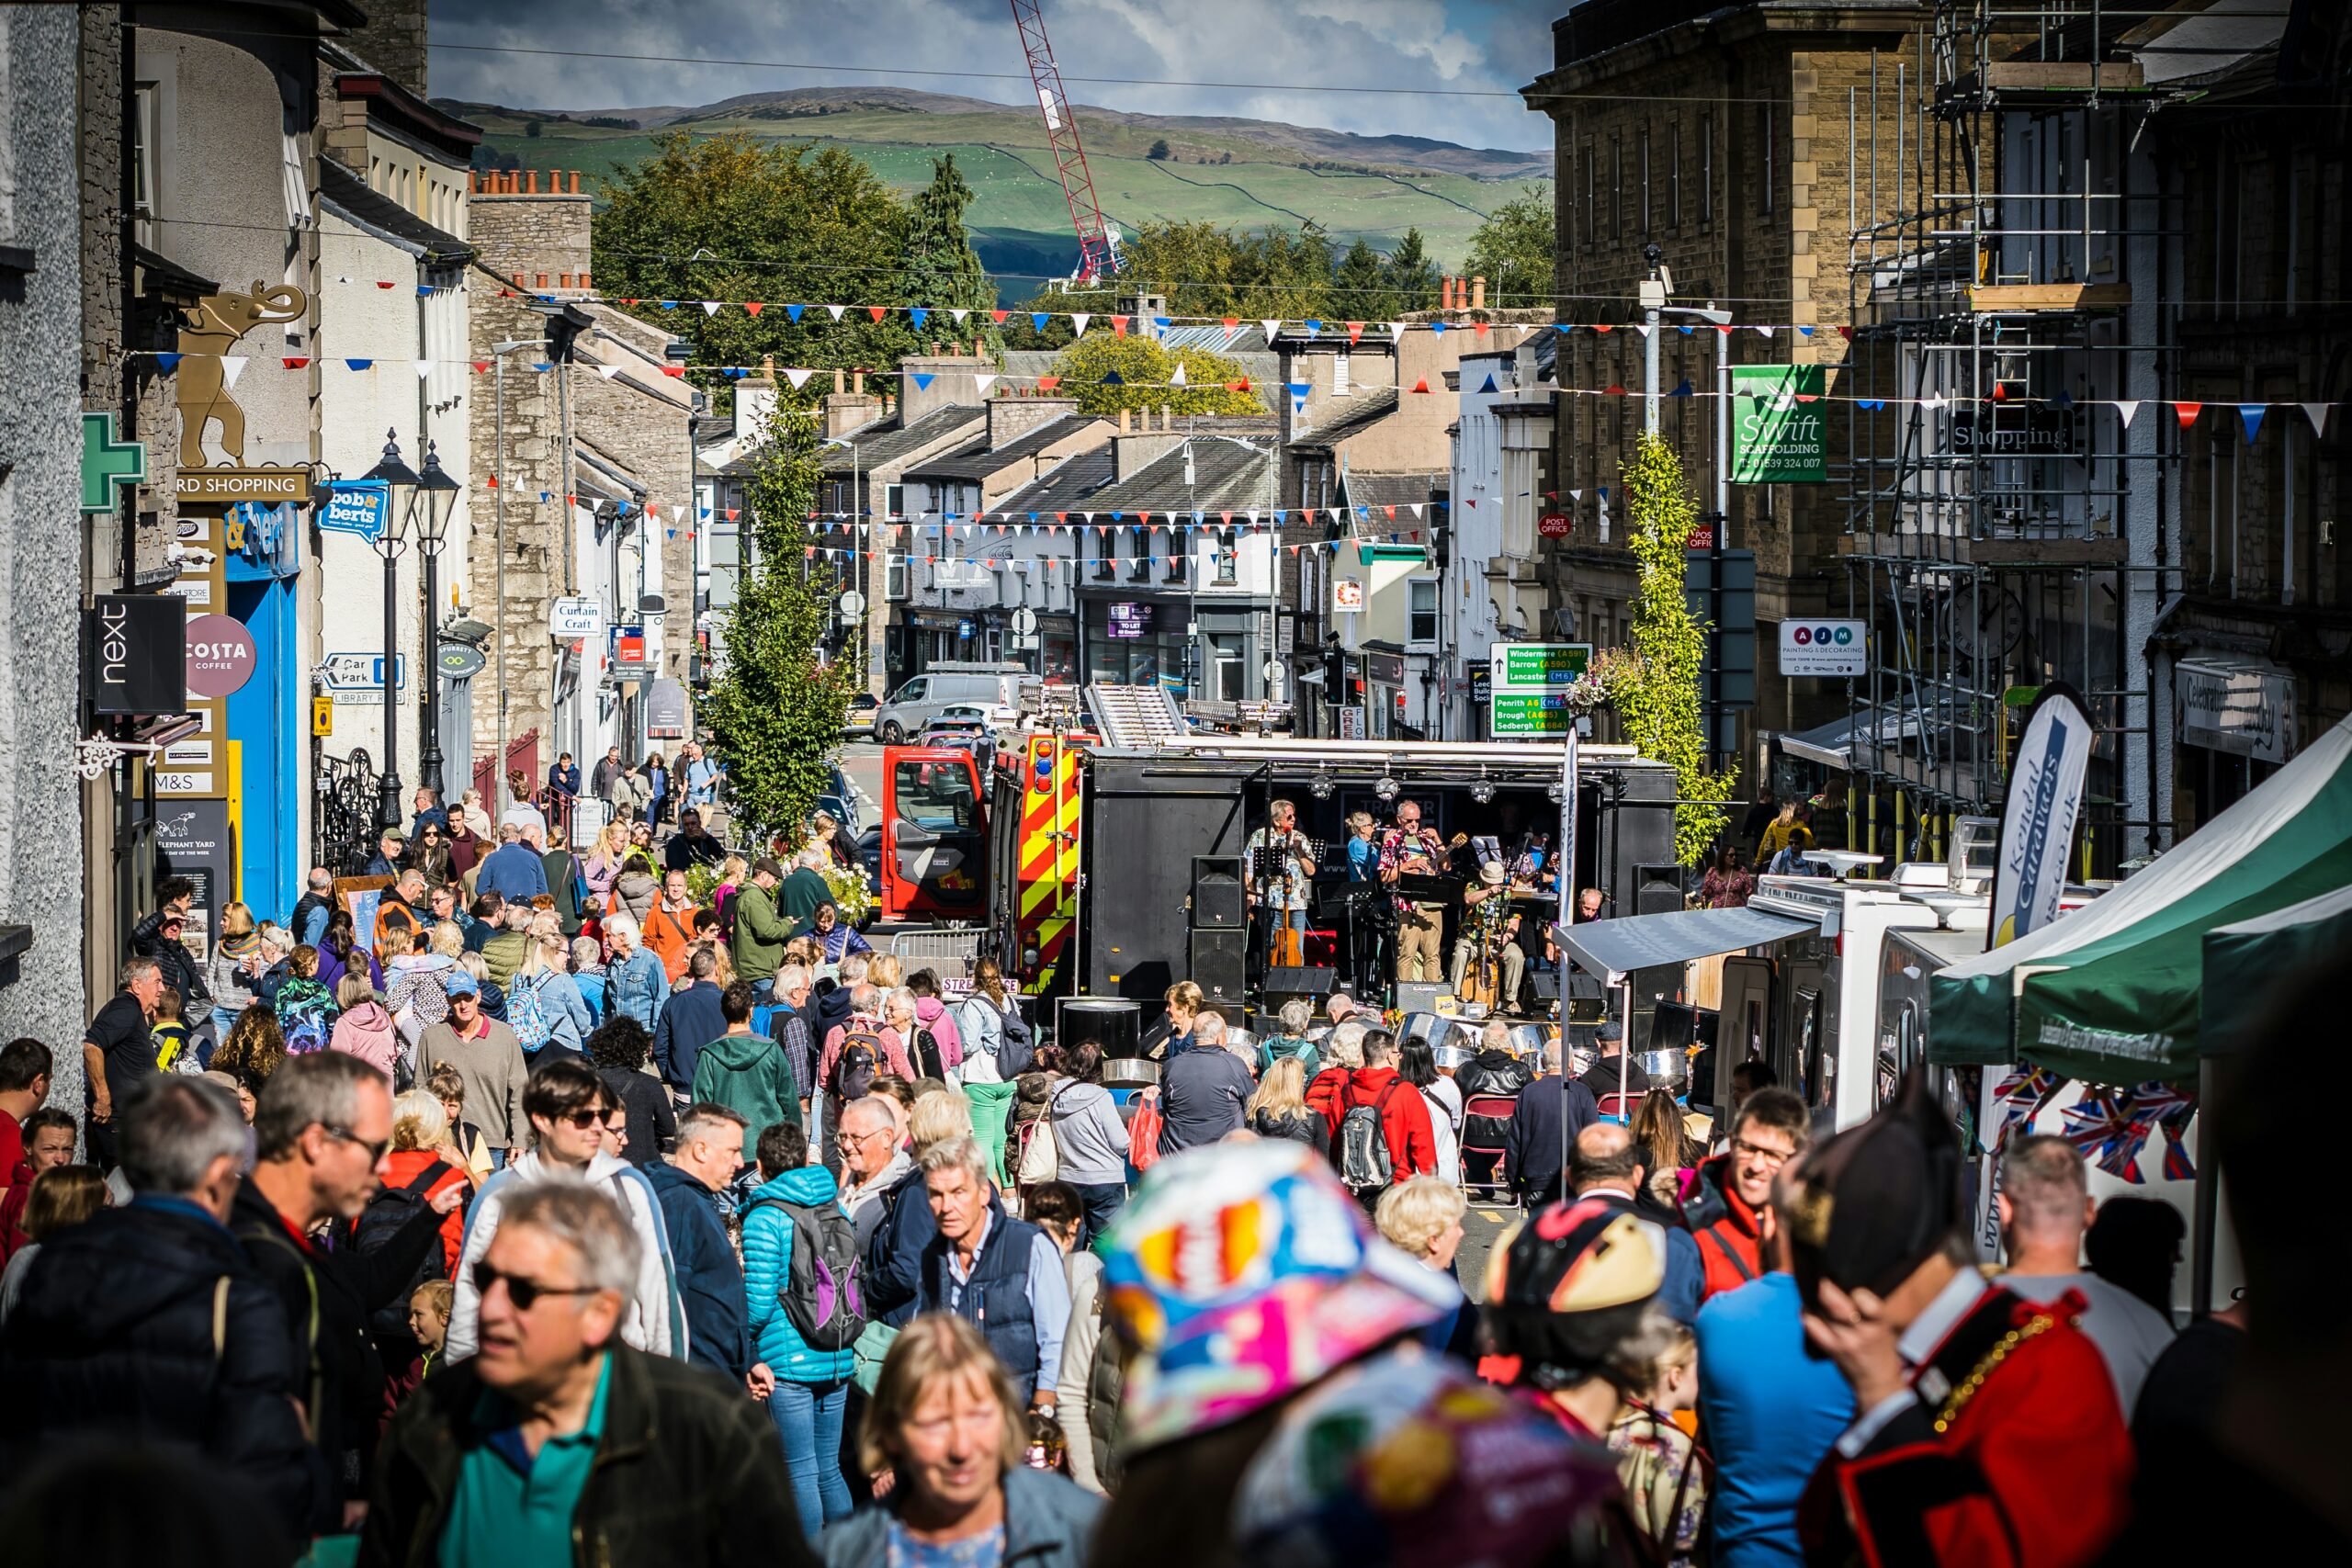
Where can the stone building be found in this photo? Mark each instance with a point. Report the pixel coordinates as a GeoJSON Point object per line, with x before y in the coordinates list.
{"type": "Point", "coordinates": [41, 902]}
{"type": "Point", "coordinates": [582, 454]}
{"type": "Point", "coordinates": [1720, 135]}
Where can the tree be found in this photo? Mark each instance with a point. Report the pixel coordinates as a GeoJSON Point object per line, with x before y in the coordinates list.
{"type": "Point", "coordinates": [1159, 150]}
{"type": "Point", "coordinates": [1512, 251]}
{"type": "Point", "coordinates": [775, 712]}
{"type": "Point", "coordinates": [1145, 371]}
{"type": "Point", "coordinates": [531, 129]}
{"type": "Point", "coordinates": [1654, 682]}
{"type": "Point", "coordinates": [1360, 287]}
{"type": "Point", "coordinates": [943, 270]}
{"type": "Point", "coordinates": [731, 218]}
{"type": "Point", "coordinates": [1412, 277]}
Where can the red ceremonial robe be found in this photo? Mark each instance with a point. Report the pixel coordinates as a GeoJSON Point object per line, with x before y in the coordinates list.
{"type": "Point", "coordinates": [2013, 1452]}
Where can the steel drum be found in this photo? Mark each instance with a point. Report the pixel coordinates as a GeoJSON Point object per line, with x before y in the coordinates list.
{"type": "Point", "coordinates": [1130, 1072]}
{"type": "Point", "coordinates": [1669, 1068]}
{"type": "Point", "coordinates": [1112, 1022]}
{"type": "Point", "coordinates": [1452, 1059]}
{"type": "Point", "coordinates": [1242, 1042]}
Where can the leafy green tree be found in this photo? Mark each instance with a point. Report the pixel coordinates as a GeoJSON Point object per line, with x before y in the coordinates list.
{"type": "Point", "coordinates": [1159, 150]}
{"type": "Point", "coordinates": [1513, 250]}
{"type": "Point", "coordinates": [1203, 270]}
{"type": "Point", "coordinates": [1654, 682]}
{"type": "Point", "coordinates": [1360, 285]}
{"type": "Point", "coordinates": [1412, 277]}
{"type": "Point", "coordinates": [775, 711]}
{"type": "Point", "coordinates": [1145, 371]}
{"type": "Point", "coordinates": [731, 218]}
{"type": "Point", "coordinates": [943, 270]}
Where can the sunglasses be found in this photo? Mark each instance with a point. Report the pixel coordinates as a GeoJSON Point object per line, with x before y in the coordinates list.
{"type": "Point", "coordinates": [524, 1293]}
{"type": "Point", "coordinates": [583, 1120]}
{"type": "Point", "coordinates": [345, 1136]}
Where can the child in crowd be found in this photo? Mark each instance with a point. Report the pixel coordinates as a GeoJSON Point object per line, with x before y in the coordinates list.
{"type": "Point", "coordinates": [175, 1051]}
{"type": "Point", "coordinates": [1664, 1472]}
{"type": "Point", "coordinates": [428, 1318]}
{"type": "Point", "coordinates": [470, 1154]}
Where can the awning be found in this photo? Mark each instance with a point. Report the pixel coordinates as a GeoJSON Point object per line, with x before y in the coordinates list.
{"type": "Point", "coordinates": [2109, 993]}
{"type": "Point", "coordinates": [1611, 949]}
{"type": "Point", "coordinates": [2245, 955]}
{"type": "Point", "coordinates": [1832, 744]}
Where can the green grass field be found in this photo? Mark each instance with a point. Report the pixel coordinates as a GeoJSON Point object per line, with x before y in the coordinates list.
{"type": "Point", "coordinates": [1020, 218]}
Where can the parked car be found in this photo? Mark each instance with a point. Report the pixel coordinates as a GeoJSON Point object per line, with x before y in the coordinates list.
{"type": "Point", "coordinates": [912, 708]}
{"type": "Point", "coordinates": [858, 722]}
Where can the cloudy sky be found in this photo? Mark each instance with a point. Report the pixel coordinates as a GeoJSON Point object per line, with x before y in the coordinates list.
{"type": "Point", "coordinates": [1278, 50]}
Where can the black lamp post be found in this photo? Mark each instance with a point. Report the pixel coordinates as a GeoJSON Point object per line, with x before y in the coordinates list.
{"type": "Point", "coordinates": [437, 497]}
{"type": "Point", "coordinates": [400, 480]}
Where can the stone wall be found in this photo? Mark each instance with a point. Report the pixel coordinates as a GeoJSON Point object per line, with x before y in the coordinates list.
{"type": "Point", "coordinates": [518, 543]}
{"type": "Point", "coordinates": [531, 238]}
{"type": "Point", "coordinates": [41, 864]}
{"type": "Point", "coordinates": [393, 41]}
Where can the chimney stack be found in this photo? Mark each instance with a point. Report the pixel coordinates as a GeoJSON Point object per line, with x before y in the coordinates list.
{"type": "Point", "coordinates": [1445, 292]}
{"type": "Point", "coordinates": [1478, 293]}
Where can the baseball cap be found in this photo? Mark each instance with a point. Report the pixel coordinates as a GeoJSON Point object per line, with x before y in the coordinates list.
{"type": "Point", "coordinates": [458, 983]}
{"type": "Point", "coordinates": [1241, 1273]}
{"type": "Point", "coordinates": [397, 835]}
{"type": "Point", "coordinates": [768, 865]}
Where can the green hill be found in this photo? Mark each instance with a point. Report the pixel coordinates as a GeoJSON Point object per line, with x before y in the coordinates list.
{"type": "Point", "coordinates": [1243, 174]}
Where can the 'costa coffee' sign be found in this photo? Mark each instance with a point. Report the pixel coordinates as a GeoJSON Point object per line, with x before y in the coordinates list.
{"type": "Point", "coordinates": [221, 656]}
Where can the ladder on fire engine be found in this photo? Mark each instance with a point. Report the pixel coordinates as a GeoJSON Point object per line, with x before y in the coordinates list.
{"type": "Point", "coordinates": [1133, 716]}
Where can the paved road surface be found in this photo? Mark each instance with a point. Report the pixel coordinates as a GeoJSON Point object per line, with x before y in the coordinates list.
{"type": "Point", "coordinates": [862, 760]}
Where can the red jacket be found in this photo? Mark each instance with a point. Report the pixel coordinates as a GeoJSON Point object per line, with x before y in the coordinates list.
{"type": "Point", "coordinates": [1327, 1097]}
{"type": "Point", "coordinates": [1404, 1116]}
{"type": "Point", "coordinates": [407, 1165]}
{"type": "Point", "coordinates": [1731, 1247]}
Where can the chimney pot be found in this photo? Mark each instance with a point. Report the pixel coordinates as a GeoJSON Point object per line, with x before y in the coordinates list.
{"type": "Point", "coordinates": [838, 381]}
{"type": "Point", "coordinates": [1478, 293]}
{"type": "Point", "coordinates": [543, 280]}
{"type": "Point", "coordinates": [857, 382]}
{"type": "Point", "coordinates": [563, 279]}
{"type": "Point", "coordinates": [583, 280]}
{"type": "Point", "coordinates": [1123, 421]}
{"type": "Point", "coordinates": [575, 182]}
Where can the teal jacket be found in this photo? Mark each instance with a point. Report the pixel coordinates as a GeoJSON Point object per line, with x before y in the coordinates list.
{"type": "Point", "coordinates": [767, 1270]}
{"type": "Point", "coordinates": [750, 1075]}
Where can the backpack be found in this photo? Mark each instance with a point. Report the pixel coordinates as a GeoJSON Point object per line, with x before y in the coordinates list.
{"type": "Point", "coordinates": [386, 1212]}
{"type": "Point", "coordinates": [1364, 1164]}
{"type": "Point", "coordinates": [821, 1297]}
{"type": "Point", "coordinates": [927, 1062]}
{"type": "Point", "coordinates": [302, 1016]}
{"type": "Point", "coordinates": [526, 1015]}
{"type": "Point", "coordinates": [858, 1065]}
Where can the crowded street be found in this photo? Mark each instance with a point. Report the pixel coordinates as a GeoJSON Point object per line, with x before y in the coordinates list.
{"type": "Point", "coordinates": [1391, 785]}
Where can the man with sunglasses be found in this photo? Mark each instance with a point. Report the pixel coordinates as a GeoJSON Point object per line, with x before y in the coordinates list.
{"type": "Point", "coordinates": [320, 1132]}
{"type": "Point", "coordinates": [1726, 1208]}
{"type": "Point", "coordinates": [568, 1107]}
{"type": "Point", "coordinates": [556, 1442]}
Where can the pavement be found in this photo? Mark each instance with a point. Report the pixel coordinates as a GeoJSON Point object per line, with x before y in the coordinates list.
{"type": "Point", "coordinates": [861, 763]}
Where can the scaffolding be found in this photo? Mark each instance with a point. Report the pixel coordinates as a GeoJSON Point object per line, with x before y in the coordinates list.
{"type": "Point", "coordinates": [2004, 526]}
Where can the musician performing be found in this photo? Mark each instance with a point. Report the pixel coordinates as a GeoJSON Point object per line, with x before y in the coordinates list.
{"type": "Point", "coordinates": [1279, 863]}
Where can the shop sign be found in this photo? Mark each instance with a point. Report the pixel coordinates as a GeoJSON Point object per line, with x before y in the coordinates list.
{"type": "Point", "coordinates": [1128, 621]}
{"type": "Point", "coordinates": [1832, 648]}
{"type": "Point", "coordinates": [221, 656]}
{"type": "Point", "coordinates": [1553, 525]}
{"type": "Point", "coordinates": [226, 487]}
{"type": "Point", "coordinates": [570, 620]}
{"type": "Point", "coordinates": [106, 462]}
{"type": "Point", "coordinates": [1779, 433]}
{"type": "Point", "coordinates": [2243, 709]}
{"type": "Point", "coordinates": [665, 711]}
{"type": "Point", "coordinates": [356, 506]}
{"type": "Point", "coordinates": [1347, 594]}
{"type": "Point", "coordinates": [262, 543]}
{"type": "Point", "coordinates": [1384, 669]}
{"type": "Point", "coordinates": [137, 650]}
{"type": "Point", "coordinates": [1351, 722]}
{"type": "Point", "coordinates": [2039, 431]}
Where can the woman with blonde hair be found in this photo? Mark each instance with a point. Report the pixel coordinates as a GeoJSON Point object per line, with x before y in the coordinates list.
{"type": "Point", "coordinates": [937, 1117]}
{"type": "Point", "coordinates": [945, 1424]}
{"type": "Point", "coordinates": [1278, 1110]}
{"type": "Point", "coordinates": [419, 1141]}
{"type": "Point", "coordinates": [235, 972]}
{"type": "Point", "coordinates": [1172, 1036]}
{"type": "Point", "coordinates": [545, 975]}
{"type": "Point", "coordinates": [363, 1029]}
{"type": "Point", "coordinates": [63, 1195]}
{"type": "Point", "coordinates": [884, 972]}
{"type": "Point", "coordinates": [604, 862]}
{"type": "Point", "coordinates": [1422, 1219]}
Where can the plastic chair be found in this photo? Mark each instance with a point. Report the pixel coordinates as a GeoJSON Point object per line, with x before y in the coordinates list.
{"type": "Point", "coordinates": [1496, 1108]}
{"type": "Point", "coordinates": [1618, 1107]}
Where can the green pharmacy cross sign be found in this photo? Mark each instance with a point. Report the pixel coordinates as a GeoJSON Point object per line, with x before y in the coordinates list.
{"type": "Point", "coordinates": [1779, 426]}
{"type": "Point", "coordinates": [106, 462]}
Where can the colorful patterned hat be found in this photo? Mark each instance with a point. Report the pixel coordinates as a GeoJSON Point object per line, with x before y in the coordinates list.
{"type": "Point", "coordinates": [1243, 1273]}
{"type": "Point", "coordinates": [1408, 1459]}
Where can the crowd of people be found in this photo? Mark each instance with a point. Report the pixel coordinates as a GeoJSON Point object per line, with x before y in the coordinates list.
{"type": "Point", "coordinates": [620, 1229]}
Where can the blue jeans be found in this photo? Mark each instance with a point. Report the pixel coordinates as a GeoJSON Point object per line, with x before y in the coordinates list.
{"type": "Point", "coordinates": [1102, 1203]}
{"type": "Point", "coordinates": [808, 1416]}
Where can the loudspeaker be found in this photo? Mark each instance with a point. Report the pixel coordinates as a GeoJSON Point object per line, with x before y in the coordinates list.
{"type": "Point", "coordinates": [1310, 986]}
{"type": "Point", "coordinates": [1657, 889]}
{"type": "Point", "coordinates": [1220, 966]}
{"type": "Point", "coordinates": [1220, 898]}
{"type": "Point", "coordinates": [1545, 984]}
{"type": "Point", "coordinates": [1421, 995]}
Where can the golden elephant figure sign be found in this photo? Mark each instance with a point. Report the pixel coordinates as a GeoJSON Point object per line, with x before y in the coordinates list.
{"type": "Point", "coordinates": [210, 330]}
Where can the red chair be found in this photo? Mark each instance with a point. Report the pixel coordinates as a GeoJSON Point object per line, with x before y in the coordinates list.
{"type": "Point", "coordinates": [1492, 1107]}
{"type": "Point", "coordinates": [1618, 1107]}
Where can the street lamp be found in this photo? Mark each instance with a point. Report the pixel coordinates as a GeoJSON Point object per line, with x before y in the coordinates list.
{"type": "Point", "coordinates": [400, 482]}
{"type": "Point", "coordinates": [437, 499]}
{"type": "Point", "coordinates": [861, 569]}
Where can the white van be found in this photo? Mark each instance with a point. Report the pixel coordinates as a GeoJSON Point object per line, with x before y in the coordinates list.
{"type": "Point", "coordinates": [912, 706]}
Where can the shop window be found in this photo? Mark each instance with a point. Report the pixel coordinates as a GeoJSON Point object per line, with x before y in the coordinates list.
{"type": "Point", "coordinates": [1420, 610]}
{"type": "Point", "coordinates": [1228, 558]}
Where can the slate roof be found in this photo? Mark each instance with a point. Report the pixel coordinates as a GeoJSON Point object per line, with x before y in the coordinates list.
{"type": "Point", "coordinates": [1391, 489]}
{"type": "Point", "coordinates": [881, 442]}
{"type": "Point", "coordinates": [979, 463]}
{"type": "Point", "coordinates": [345, 190]}
{"type": "Point", "coordinates": [1367, 410]}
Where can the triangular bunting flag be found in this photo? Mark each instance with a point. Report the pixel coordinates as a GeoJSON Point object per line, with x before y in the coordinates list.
{"type": "Point", "coordinates": [1047, 383]}
{"type": "Point", "coordinates": [424, 368]}
{"type": "Point", "coordinates": [1113, 379]}
{"type": "Point", "coordinates": [1176, 377]}
{"type": "Point", "coordinates": [2317, 415]}
{"type": "Point", "coordinates": [710, 307]}
{"type": "Point", "coordinates": [797, 376]}
{"type": "Point", "coordinates": [1270, 328]}
{"type": "Point", "coordinates": [1439, 328]}
{"type": "Point", "coordinates": [923, 381]}
{"type": "Point", "coordinates": [1118, 326]}
{"type": "Point", "coordinates": [999, 316]}
{"type": "Point", "coordinates": [1488, 386]}
{"type": "Point", "coordinates": [1037, 319]}
{"type": "Point", "coordinates": [793, 312]}
{"type": "Point", "coordinates": [2252, 414]}
{"type": "Point", "coordinates": [1396, 332]}
{"type": "Point", "coordinates": [2187, 412]}
{"type": "Point", "coordinates": [1231, 322]}
{"type": "Point", "coordinates": [1314, 326]}
{"type": "Point", "coordinates": [232, 367]}
{"type": "Point", "coordinates": [983, 380]}
{"type": "Point", "coordinates": [1355, 332]}
{"type": "Point", "coordinates": [959, 315]}
{"type": "Point", "coordinates": [482, 366]}
{"type": "Point", "coordinates": [360, 364]}
{"type": "Point", "coordinates": [837, 311]}
{"type": "Point", "coordinates": [1077, 322]}
{"type": "Point", "coordinates": [608, 371]}
{"type": "Point", "coordinates": [1766, 331]}
{"type": "Point", "coordinates": [170, 362]}
{"type": "Point", "coordinates": [918, 314]}
{"type": "Point", "coordinates": [754, 307]}
{"type": "Point", "coordinates": [1644, 330]}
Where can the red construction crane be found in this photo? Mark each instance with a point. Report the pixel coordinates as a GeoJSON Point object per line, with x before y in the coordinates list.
{"type": "Point", "coordinates": [1096, 253]}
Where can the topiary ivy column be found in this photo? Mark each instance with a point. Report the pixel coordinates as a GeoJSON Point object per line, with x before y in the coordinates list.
{"type": "Point", "coordinates": [1653, 682]}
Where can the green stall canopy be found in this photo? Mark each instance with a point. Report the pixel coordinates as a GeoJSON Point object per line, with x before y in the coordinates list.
{"type": "Point", "coordinates": [2109, 994]}
{"type": "Point", "coordinates": [2241, 960]}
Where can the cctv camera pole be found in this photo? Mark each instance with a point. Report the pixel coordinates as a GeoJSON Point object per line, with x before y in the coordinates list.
{"type": "Point", "coordinates": [1653, 304]}
{"type": "Point", "coordinates": [1567, 869]}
